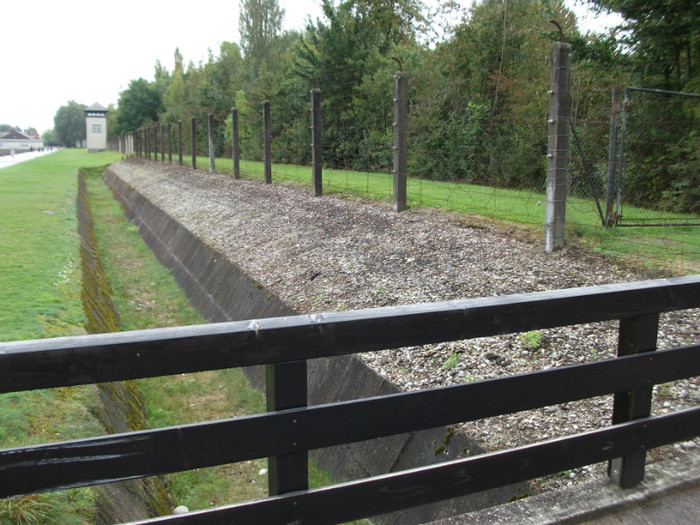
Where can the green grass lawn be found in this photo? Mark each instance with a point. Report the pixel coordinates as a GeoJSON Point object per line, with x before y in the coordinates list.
{"type": "Point", "coordinates": [39, 275]}
{"type": "Point", "coordinates": [40, 297]}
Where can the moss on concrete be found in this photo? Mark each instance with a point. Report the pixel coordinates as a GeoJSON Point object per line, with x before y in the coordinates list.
{"type": "Point", "coordinates": [122, 407]}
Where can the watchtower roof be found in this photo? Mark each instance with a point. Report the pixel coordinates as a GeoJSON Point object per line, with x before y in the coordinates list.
{"type": "Point", "coordinates": [96, 108]}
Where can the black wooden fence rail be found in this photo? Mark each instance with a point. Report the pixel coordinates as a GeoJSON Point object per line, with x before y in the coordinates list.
{"type": "Point", "coordinates": [293, 432]}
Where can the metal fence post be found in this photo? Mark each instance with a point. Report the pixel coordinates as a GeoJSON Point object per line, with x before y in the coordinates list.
{"type": "Point", "coordinates": [636, 335]}
{"type": "Point", "coordinates": [162, 142]}
{"type": "Point", "coordinates": [179, 142]}
{"type": "Point", "coordinates": [400, 139]}
{"type": "Point", "coordinates": [210, 135]}
{"type": "Point", "coordinates": [286, 387]}
{"type": "Point", "coordinates": [612, 159]}
{"type": "Point", "coordinates": [235, 152]}
{"type": "Point", "coordinates": [267, 147]}
{"type": "Point", "coordinates": [316, 148]}
{"type": "Point", "coordinates": [194, 143]}
{"type": "Point", "coordinates": [558, 154]}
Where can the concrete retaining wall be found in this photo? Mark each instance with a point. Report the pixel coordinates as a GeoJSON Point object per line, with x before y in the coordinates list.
{"type": "Point", "coordinates": [222, 291]}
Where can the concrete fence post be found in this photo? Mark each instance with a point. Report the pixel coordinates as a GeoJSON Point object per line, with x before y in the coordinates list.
{"type": "Point", "coordinates": [610, 218]}
{"type": "Point", "coordinates": [235, 150]}
{"type": "Point", "coordinates": [400, 139]}
{"type": "Point", "coordinates": [194, 143]}
{"type": "Point", "coordinates": [267, 147]}
{"type": "Point", "coordinates": [558, 154]}
{"type": "Point", "coordinates": [316, 148]}
{"type": "Point", "coordinates": [162, 142]}
{"type": "Point", "coordinates": [170, 143]}
{"type": "Point", "coordinates": [179, 142]}
{"type": "Point", "coordinates": [212, 148]}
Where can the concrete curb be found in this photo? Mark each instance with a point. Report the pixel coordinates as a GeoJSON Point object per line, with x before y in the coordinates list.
{"type": "Point", "coordinates": [670, 487]}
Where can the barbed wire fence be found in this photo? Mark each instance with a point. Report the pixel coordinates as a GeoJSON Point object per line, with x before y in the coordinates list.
{"type": "Point", "coordinates": [623, 141]}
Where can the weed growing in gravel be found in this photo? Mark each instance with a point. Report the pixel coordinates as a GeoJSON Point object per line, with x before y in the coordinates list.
{"type": "Point", "coordinates": [451, 362]}
{"type": "Point", "coordinates": [531, 340]}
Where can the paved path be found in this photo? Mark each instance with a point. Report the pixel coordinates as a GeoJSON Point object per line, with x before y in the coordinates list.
{"type": "Point", "coordinates": [9, 160]}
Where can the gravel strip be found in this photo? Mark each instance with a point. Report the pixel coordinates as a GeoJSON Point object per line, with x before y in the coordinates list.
{"type": "Point", "coordinates": [331, 253]}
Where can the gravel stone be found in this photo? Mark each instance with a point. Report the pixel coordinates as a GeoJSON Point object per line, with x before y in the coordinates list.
{"type": "Point", "coordinates": [333, 253]}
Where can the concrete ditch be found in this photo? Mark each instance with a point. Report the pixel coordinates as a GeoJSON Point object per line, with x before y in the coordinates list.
{"type": "Point", "coordinates": [120, 407]}
{"type": "Point", "coordinates": [221, 291]}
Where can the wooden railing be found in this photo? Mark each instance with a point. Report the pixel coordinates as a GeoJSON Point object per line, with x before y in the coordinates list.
{"type": "Point", "coordinates": [287, 434]}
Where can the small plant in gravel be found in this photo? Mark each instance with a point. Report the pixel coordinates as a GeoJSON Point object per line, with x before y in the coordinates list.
{"type": "Point", "coordinates": [450, 362]}
{"type": "Point", "coordinates": [531, 340]}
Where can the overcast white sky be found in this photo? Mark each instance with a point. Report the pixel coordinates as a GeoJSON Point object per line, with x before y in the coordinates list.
{"type": "Point", "coordinates": [89, 51]}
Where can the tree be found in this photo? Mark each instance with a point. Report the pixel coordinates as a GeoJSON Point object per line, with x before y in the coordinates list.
{"type": "Point", "coordinates": [259, 25]}
{"type": "Point", "coordinates": [139, 104]}
{"type": "Point", "coordinates": [50, 138]}
{"type": "Point", "coordinates": [664, 37]}
{"type": "Point", "coordinates": [495, 93]}
{"type": "Point", "coordinates": [338, 54]}
{"type": "Point", "coordinates": [7, 127]}
{"type": "Point", "coordinates": [69, 123]}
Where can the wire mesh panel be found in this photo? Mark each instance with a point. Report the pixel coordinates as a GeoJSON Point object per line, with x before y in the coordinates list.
{"type": "Point", "coordinates": [657, 179]}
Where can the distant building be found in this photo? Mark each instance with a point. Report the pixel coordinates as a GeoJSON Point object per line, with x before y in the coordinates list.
{"type": "Point", "coordinates": [96, 128]}
{"type": "Point", "coordinates": [17, 142]}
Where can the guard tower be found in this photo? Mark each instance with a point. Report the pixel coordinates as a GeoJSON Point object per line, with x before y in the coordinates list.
{"type": "Point", "coordinates": [96, 128]}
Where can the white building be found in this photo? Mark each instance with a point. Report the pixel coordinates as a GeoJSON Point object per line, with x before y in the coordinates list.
{"type": "Point", "coordinates": [96, 128]}
{"type": "Point", "coordinates": [17, 142]}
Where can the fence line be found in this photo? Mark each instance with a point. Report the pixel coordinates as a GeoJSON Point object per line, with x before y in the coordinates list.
{"type": "Point", "coordinates": [592, 159]}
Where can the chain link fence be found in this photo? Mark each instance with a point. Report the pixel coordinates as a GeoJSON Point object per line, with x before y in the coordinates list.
{"type": "Point", "coordinates": [657, 180]}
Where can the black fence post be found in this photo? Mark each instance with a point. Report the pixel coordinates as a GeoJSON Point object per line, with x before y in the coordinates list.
{"type": "Point", "coordinates": [637, 334]}
{"type": "Point", "coordinates": [267, 147]}
{"type": "Point", "coordinates": [316, 148]}
{"type": "Point", "coordinates": [147, 144]}
{"type": "Point", "coordinates": [400, 139]}
{"type": "Point", "coordinates": [194, 143]}
{"type": "Point", "coordinates": [179, 142]}
{"type": "Point", "coordinates": [210, 137]}
{"type": "Point", "coordinates": [286, 387]}
{"type": "Point", "coordinates": [235, 146]}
